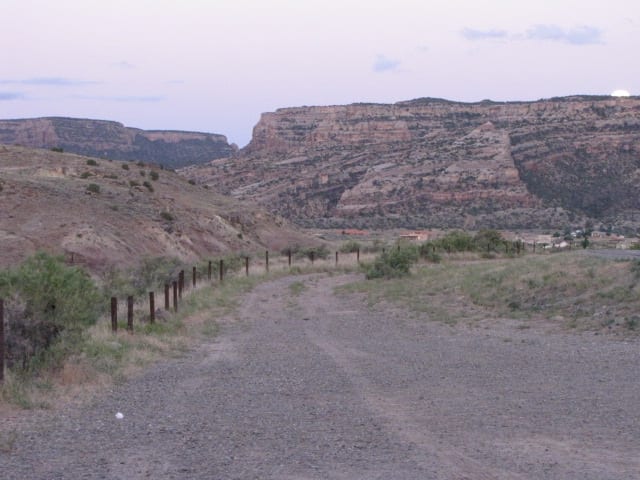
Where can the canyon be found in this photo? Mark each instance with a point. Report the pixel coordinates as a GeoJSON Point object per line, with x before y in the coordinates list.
{"type": "Point", "coordinates": [107, 139]}
{"type": "Point", "coordinates": [437, 163]}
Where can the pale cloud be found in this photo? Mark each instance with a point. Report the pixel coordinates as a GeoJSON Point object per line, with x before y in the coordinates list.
{"type": "Point", "coordinates": [583, 35]}
{"type": "Point", "coordinates": [122, 98]}
{"type": "Point", "coordinates": [123, 65]}
{"type": "Point", "coordinates": [49, 81]}
{"type": "Point", "coordinates": [11, 96]}
{"type": "Point", "coordinates": [385, 64]}
{"type": "Point", "coordinates": [473, 34]}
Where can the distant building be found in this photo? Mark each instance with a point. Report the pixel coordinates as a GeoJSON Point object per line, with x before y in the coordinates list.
{"type": "Point", "coordinates": [418, 236]}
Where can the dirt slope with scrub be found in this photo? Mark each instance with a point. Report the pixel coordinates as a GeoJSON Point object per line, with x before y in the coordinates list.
{"type": "Point", "coordinates": [100, 213]}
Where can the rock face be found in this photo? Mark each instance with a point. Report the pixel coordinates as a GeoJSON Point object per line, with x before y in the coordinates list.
{"type": "Point", "coordinates": [105, 139]}
{"type": "Point", "coordinates": [432, 162]}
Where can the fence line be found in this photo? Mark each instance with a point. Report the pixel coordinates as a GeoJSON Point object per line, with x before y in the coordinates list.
{"type": "Point", "coordinates": [178, 286]}
{"type": "Point", "coordinates": [1, 340]}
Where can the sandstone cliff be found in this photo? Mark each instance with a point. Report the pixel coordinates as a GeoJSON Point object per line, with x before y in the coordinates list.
{"type": "Point", "coordinates": [106, 139]}
{"type": "Point", "coordinates": [432, 162]}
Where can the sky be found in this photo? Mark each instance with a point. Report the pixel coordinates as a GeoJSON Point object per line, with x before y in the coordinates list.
{"type": "Point", "coordinates": [216, 65]}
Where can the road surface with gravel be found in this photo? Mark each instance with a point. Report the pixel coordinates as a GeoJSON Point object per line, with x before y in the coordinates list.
{"type": "Point", "coordinates": [307, 384]}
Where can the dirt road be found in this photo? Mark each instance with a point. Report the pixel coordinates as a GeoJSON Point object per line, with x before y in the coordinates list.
{"type": "Point", "coordinates": [312, 385]}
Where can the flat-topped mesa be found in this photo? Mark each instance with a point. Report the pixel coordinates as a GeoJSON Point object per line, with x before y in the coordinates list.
{"type": "Point", "coordinates": [290, 128]}
{"type": "Point", "coordinates": [107, 139]}
{"type": "Point", "coordinates": [432, 162]}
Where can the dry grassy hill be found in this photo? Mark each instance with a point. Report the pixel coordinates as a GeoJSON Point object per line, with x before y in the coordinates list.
{"type": "Point", "coordinates": [106, 213]}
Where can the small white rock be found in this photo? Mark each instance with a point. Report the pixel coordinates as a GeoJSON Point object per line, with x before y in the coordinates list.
{"type": "Point", "coordinates": [119, 416]}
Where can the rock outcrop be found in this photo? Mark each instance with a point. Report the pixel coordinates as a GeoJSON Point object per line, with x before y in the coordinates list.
{"type": "Point", "coordinates": [106, 139]}
{"type": "Point", "coordinates": [432, 162]}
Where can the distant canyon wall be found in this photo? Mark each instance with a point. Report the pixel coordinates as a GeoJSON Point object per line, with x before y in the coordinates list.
{"type": "Point", "coordinates": [432, 162]}
{"type": "Point", "coordinates": [106, 139]}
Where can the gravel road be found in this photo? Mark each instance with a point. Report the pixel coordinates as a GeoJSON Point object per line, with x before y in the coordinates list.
{"type": "Point", "coordinates": [319, 386]}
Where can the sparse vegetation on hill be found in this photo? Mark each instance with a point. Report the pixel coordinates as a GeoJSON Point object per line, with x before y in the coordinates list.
{"type": "Point", "coordinates": [116, 219]}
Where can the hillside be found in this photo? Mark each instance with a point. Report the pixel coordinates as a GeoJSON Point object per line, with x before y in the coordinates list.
{"type": "Point", "coordinates": [132, 210]}
{"type": "Point", "coordinates": [436, 163]}
{"type": "Point", "coordinates": [106, 139]}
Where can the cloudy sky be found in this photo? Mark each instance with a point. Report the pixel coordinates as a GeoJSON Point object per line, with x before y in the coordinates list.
{"type": "Point", "coordinates": [215, 65]}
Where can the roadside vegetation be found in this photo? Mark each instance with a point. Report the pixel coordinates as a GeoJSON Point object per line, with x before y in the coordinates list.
{"type": "Point", "coordinates": [59, 335]}
{"type": "Point", "coordinates": [569, 289]}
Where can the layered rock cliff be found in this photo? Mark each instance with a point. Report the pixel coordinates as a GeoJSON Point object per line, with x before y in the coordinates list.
{"type": "Point", "coordinates": [106, 139]}
{"type": "Point", "coordinates": [432, 162]}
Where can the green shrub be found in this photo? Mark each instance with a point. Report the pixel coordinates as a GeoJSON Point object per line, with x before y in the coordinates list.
{"type": "Point", "coordinates": [154, 175]}
{"type": "Point", "coordinates": [150, 274]}
{"type": "Point", "coordinates": [166, 216]}
{"type": "Point", "coordinates": [431, 256]}
{"type": "Point", "coordinates": [49, 304]}
{"type": "Point", "coordinates": [148, 186]}
{"type": "Point", "coordinates": [142, 173]}
{"type": "Point", "coordinates": [350, 246]}
{"type": "Point", "coordinates": [86, 175]}
{"type": "Point", "coordinates": [394, 263]}
{"type": "Point", "coordinates": [488, 240]}
{"type": "Point", "coordinates": [57, 149]}
{"type": "Point", "coordinates": [299, 252]}
{"type": "Point", "coordinates": [133, 183]}
{"type": "Point", "coordinates": [93, 188]}
{"type": "Point", "coordinates": [92, 162]}
{"type": "Point", "coordinates": [192, 181]}
{"type": "Point", "coordinates": [321, 252]}
{"type": "Point", "coordinates": [125, 166]}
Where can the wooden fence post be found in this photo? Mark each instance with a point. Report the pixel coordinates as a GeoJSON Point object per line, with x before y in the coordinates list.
{"type": "Point", "coordinates": [167, 287]}
{"type": "Point", "coordinates": [246, 265]}
{"type": "Point", "coordinates": [152, 308]}
{"type": "Point", "coordinates": [209, 271]}
{"type": "Point", "coordinates": [358, 255]}
{"type": "Point", "coordinates": [130, 314]}
{"type": "Point", "coordinates": [193, 277]}
{"type": "Point", "coordinates": [289, 254]}
{"type": "Point", "coordinates": [180, 283]}
{"type": "Point", "coordinates": [336, 259]}
{"type": "Point", "coordinates": [221, 272]}
{"type": "Point", "coordinates": [114, 314]}
{"type": "Point", "coordinates": [175, 296]}
{"type": "Point", "coordinates": [313, 256]}
{"type": "Point", "coordinates": [1, 340]}
{"type": "Point", "coordinates": [266, 260]}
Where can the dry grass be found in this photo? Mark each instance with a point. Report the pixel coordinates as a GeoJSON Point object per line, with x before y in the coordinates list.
{"type": "Point", "coordinates": [106, 358]}
{"type": "Point", "coordinates": [568, 289]}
